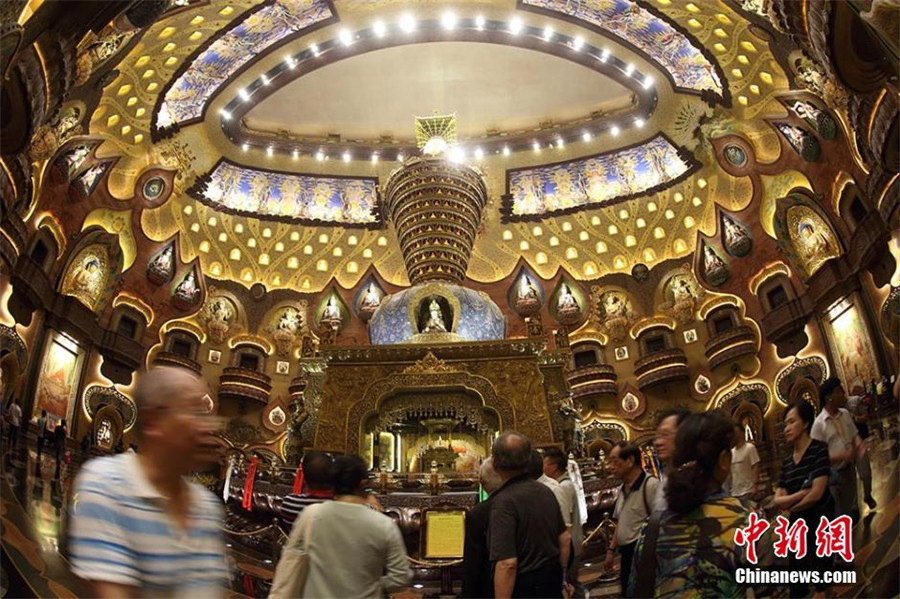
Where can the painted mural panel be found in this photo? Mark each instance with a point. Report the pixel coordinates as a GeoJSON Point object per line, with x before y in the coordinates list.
{"type": "Point", "coordinates": [596, 181]}
{"type": "Point", "coordinates": [188, 95]}
{"type": "Point", "coordinates": [297, 198]}
{"type": "Point", "coordinates": [59, 378]}
{"type": "Point", "coordinates": [87, 276]}
{"type": "Point", "coordinates": [851, 345]}
{"type": "Point", "coordinates": [812, 238]}
{"type": "Point", "coordinates": [673, 51]}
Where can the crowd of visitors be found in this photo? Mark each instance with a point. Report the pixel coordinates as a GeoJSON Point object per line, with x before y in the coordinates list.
{"type": "Point", "coordinates": [158, 534]}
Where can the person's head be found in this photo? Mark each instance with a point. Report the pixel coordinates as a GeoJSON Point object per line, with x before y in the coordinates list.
{"type": "Point", "coordinates": [490, 480]}
{"type": "Point", "coordinates": [511, 453]}
{"type": "Point", "coordinates": [739, 435]}
{"type": "Point", "coordinates": [624, 460]}
{"type": "Point", "coordinates": [831, 394]}
{"type": "Point", "coordinates": [798, 420]}
{"type": "Point", "coordinates": [555, 462]}
{"type": "Point", "coordinates": [43, 413]}
{"type": "Point", "coordinates": [351, 476]}
{"type": "Point", "coordinates": [318, 471]}
{"type": "Point", "coordinates": [701, 461]}
{"type": "Point", "coordinates": [172, 421]}
{"type": "Point", "coordinates": [535, 465]}
{"type": "Point", "coordinates": [62, 422]}
{"type": "Point", "coordinates": [666, 427]}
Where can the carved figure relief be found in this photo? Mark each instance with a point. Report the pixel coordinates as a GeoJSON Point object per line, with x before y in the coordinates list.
{"type": "Point", "coordinates": [331, 315]}
{"type": "Point", "coordinates": [69, 163]}
{"type": "Point", "coordinates": [370, 302]}
{"type": "Point", "coordinates": [286, 329]}
{"type": "Point", "coordinates": [714, 269]}
{"type": "Point", "coordinates": [735, 238]}
{"type": "Point", "coordinates": [812, 239]}
{"type": "Point", "coordinates": [614, 313]}
{"type": "Point", "coordinates": [435, 319]}
{"type": "Point", "coordinates": [682, 294]}
{"type": "Point", "coordinates": [87, 181]}
{"type": "Point", "coordinates": [218, 314]}
{"type": "Point", "coordinates": [88, 275]}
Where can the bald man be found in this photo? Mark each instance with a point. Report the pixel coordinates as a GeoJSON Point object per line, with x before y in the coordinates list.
{"type": "Point", "coordinates": [139, 528]}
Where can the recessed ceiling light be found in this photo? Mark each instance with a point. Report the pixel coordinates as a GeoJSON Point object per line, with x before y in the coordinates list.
{"type": "Point", "coordinates": [515, 26]}
{"type": "Point", "coordinates": [346, 37]}
{"type": "Point", "coordinates": [506, 150]}
{"type": "Point", "coordinates": [346, 156]}
{"type": "Point", "coordinates": [448, 20]}
{"type": "Point", "coordinates": [604, 55]}
{"type": "Point", "coordinates": [536, 146]}
{"type": "Point", "coordinates": [245, 146]}
{"type": "Point", "coordinates": [295, 154]}
{"type": "Point", "coordinates": [290, 62]}
{"type": "Point", "coordinates": [479, 22]}
{"type": "Point", "coordinates": [379, 28]}
{"type": "Point", "coordinates": [629, 69]}
{"type": "Point", "coordinates": [577, 43]}
{"type": "Point", "coordinates": [270, 150]}
{"type": "Point", "coordinates": [374, 157]}
{"type": "Point", "coordinates": [457, 155]}
{"type": "Point", "coordinates": [586, 136]}
{"type": "Point", "coordinates": [314, 49]}
{"type": "Point", "coordinates": [242, 93]}
{"type": "Point", "coordinates": [614, 130]}
{"type": "Point", "coordinates": [264, 79]}
{"type": "Point", "coordinates": [320, 155]}
{"type": "Point", "coordinates": [479, 153]}
{"type": "Point", "coordinates": [560, 143]}
{"type": "Point", "coordinates": [639, 123]}
{"type": "Point", "coordinates": [400, 157]}
{"type": "Point", "coordinates": [407, 23]}
{"type": "Point", "coordinates": [548, 33]}
{"type": "Point", "coordinates": [225, 114]}
{"type": "Point", "coordinates": [648, 82]}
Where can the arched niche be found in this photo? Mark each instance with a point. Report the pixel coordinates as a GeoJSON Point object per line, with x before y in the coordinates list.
{"type": "Point", "coordinates": [92, 267]}
{"type": "Point", "coordinates": [805, 234]}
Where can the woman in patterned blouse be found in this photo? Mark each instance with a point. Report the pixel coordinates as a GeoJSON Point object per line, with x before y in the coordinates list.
{"type": "Point", "coordinates": [696, 556]}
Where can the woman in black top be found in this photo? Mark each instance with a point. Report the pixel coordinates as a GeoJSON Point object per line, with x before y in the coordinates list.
{"type": "Point", "coordinates": [803, 489]}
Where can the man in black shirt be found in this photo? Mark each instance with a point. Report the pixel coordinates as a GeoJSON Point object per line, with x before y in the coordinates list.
{"type": "Point", "coordinates": [527, 538]}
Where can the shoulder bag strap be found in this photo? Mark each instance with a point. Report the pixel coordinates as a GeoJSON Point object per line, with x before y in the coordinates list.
{"type": "Point", "coordinates": [645, 585]}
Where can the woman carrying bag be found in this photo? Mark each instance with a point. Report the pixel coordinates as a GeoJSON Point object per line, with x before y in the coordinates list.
{"type": "Point", "coordinates": [343, 548]}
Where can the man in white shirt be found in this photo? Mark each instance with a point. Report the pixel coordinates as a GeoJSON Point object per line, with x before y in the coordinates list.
{"type": "Point", "coordinates": [15, 421]}
{"type": "Point", "coordinates": [556, 468]}
{"type": "Point", "coordinates": [835, 426]}
{"type": "Point", "coordinates": [634, 505]}
{"type": "Point", "coordinates": [744, 467]}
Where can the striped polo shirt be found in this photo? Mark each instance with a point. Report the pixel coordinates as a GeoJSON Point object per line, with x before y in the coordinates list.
{"type": "Point", "coordinates": [293, 504]}
{"type": "Point", "coordinates": [121, 533]}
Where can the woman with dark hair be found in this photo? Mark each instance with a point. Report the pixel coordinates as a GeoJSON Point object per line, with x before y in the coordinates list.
{"type": "Point", "coordinates": [354, 551]}
{"type": "Point", "coordinates": [695, 553]}
{"type": "Point", "coordinates": [803, 488]}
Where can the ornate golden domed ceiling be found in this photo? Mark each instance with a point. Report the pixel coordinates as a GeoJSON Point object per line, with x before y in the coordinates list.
{"type": "Point", "coordinates": [590, 121]}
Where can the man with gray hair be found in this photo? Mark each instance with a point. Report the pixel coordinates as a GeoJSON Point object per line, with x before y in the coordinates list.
{"type": "Point", "coordinates": [528, 541]}
{"type": "Point", "coordinates": [139, 528]}
{"type": "Point", "coordinates": [477, 582]}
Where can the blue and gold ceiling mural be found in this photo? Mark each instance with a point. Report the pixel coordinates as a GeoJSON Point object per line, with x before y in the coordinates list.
{"type": "Point", "coordinates": [678, 56]}
{"type": "Point", "coordinates": [186, 98]}
{"type": "Point", "coordinates": [595, 181]}
{"type": "Point", "coordinates": [270, 195]}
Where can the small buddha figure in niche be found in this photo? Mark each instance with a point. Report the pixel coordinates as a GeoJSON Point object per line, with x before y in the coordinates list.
{"type": "Point", "coordinates": [814, 242]}
{"type": "Point", "coordinates": [566, 301]}
{"type": "Point", "coordinates": [187, 290]}
{"type": "Point", "coordinates": [714, 268]}
{"type": "Point", "coordinates": [737, 240]}
{"type": "Point", "coordinates": [528, 301]}
{"type": "Point", "coordinates": [527, 290]}
{"type": "Point", "coordinates": [371, 299]}
{"type": "Point", "coordinates": [331, 315]}
{"type": "Point", "coordinates": [435, 323]}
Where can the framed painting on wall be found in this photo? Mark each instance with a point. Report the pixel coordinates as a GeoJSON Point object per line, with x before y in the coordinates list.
{"type": "Point", "coordinates": [59, 378]}
{"type": "Point", "coordinates": [851, 344]}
